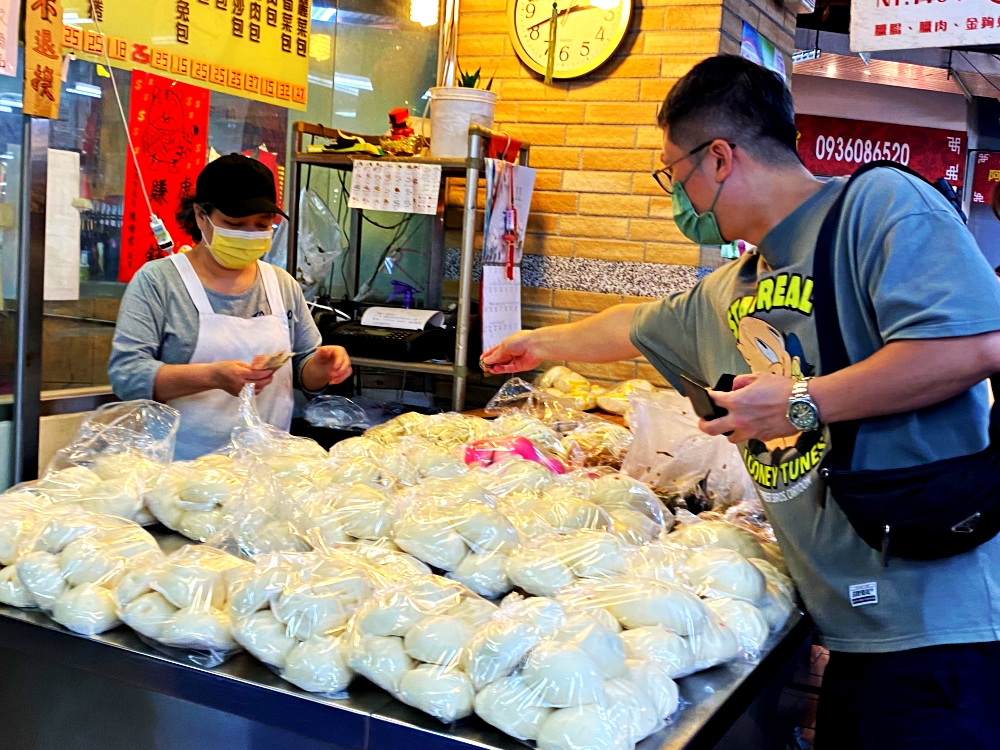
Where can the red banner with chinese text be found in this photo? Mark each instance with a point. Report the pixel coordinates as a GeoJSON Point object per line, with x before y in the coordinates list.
{"type": "Point", "coordinates": [168, 122]}
{"type": "Point", "coordinates": [835, 147]}
{"type": "Point", "coordinates": [985, 176]}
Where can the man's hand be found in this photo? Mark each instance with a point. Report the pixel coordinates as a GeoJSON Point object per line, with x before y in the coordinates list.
{"type": "Point", "coordinates": [757, 406]}
{"type": "Point", "coordinates": [516, 353]}
{"type": "Point", "coordinates": [329, 365]}
{"type": "Point", "coordinates": [232, 374]}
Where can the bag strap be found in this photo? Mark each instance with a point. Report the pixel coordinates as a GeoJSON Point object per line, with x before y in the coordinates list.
{"type": "Point", "coordinates": [832, 349]}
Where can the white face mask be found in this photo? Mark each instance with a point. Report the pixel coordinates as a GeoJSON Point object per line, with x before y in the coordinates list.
{"type": "Point", "coordinates": [237, 249]}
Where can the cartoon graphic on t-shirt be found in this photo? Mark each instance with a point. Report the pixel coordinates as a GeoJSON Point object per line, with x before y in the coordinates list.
{"type": "Point", "coordinates": [763, 348]}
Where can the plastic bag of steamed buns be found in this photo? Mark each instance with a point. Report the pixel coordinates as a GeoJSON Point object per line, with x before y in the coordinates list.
{"type": "Point", "coordinates": [68, 562]}
{"type": "Point", "coordinates": [180, 601]}
{"type": "Point", "coordinates": [289, 611]}
{"type": "Point", "coordinates": [559, 676]}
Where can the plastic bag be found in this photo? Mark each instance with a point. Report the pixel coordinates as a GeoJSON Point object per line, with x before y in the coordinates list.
{"type": "Point", "coordinates": [551, 563]}
{"type": "Point", "coordinates": [289, 611]}
{"type": "Point", "coordinates": [190, 497]}
{"type": "Point", "coordinates": [321, 243]}
{"type": "Point", "coordinates": [335, 412]}
{"type": "Point", "coordinates": [74, 562]}
{"type": "Point", "coordinates": [554, 674]}
{"type": "Point", "coordinates": [408, 640]}
{"type": "Point", "coordinates": [135, 428]}
{"type": "Point", "coordinates": [179, 602]}
{"type": "Point", "coordinates": [598, 444]}
{"type": "Point", "coordinates": [615, 399]}
{"type": "Point", "coordinates": [518, 396]}
{"type": "Point", "coordinates": [670, 453]}
{"type": "Point", "coordinates": [516, 424]}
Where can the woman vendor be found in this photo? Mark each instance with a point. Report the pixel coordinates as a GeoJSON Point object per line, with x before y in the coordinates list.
{"type": "Point", "coordinates": [190, 324]}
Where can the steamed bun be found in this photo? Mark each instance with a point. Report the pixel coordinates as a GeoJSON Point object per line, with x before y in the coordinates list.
{"type": "Point", "coordinates": [650, 602]}
{"type": "Point", "coordinates": [658, 645]}
{"type": "Point", "coordinates": [381, 659]}
{"type": "Point", "coordinates": [625, 699]}
{"type": "Point", "coordinates": [484, 574]}
{"type": "Point", "coordinates": [587, 727]}
{"type": "Point", "coordinates": [87, 609]}
{"type": "Point", "coordinates": [655, 684]}
{"type": "Point", "coordinates": [265, 637]}
{"type": "Point", "coordinates": [444, 693]}
{"type": "Point", "coordinates": [744, 619]}
{"type": "Point", "coordinates": [563, 675]}
{"type": "Point", "coordinates": [496, 650]}
{"type": "Point", "coordinates": [538, 570]}
{"type": "Point", "coordinates": [12, 592]}
{"type": "Point", "coordinates": [440, 639]}
{"type": "Point", "coordinates": [512, 708]}
{"type": "Point", "coordinates": [717, 573]}
{"type": "Point", "coordinates": [718, 535]}
{"type": "Point", "coordinates": [317, 665]}
{"type": "Point", "coordinates": [602, 645]}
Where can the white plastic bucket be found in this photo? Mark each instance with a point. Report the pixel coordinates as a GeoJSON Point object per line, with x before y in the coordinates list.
{"type": "Point", "coordinates": [453, 110]}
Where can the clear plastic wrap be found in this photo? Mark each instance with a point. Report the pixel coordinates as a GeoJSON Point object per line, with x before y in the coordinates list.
{"type": "Point", "coordinates": [553, 562]}
{"type": "Point", "coordinates": [335, 412]}
{"type": "Point", "coordinates": [72, 564]}
{"type": "Point", "coordinates": [557, 675]}
{"type": "Point", "coordinates": [615, 399]}
{"type": "Point", "coordinates": [445, 430]}
{"type": "Point", "coordinates": [190, 497]}
{"type": "Point", "coordinates": [701, 534]}
{"type": "Point", "coordinates": [409, 640]}
{"type": "Point", "coordinates": [515, 424]}
{"type": "Point", "coordinates": [671, 454]}
{"type": "Point", "coordinates": [599, 443]}
{"type": "Point", "coordinates": [639, 516]}
{"type": "Point", "coordinates": [117, 451]}
{"type": "Point", "coordinates": [179, 602]}
{"type": "Point", "coordinates": [290, 611]}
{"type": "Point", "coordinates": [520, 397]}
{"type": "Point", "coordinates": [723, 573]}
{"type": "Point", "coordinates": [445, 529]}
{"type": "Point", "coordinates": [345, 513]}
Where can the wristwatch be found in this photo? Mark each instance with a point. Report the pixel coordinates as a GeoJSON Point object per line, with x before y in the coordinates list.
{"type": "Point", "coordinates": [802, 411]}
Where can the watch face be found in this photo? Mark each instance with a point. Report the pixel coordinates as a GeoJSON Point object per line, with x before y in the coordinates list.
{"type": "Point", "coordinates": [802, 415]}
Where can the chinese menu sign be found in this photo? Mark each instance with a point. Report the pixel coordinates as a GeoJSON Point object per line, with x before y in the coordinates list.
{"type": "Point", "coordinates": [985, 176]}
{"type": "Point", "coordinates": [42, 57]}
{"type": "Point", "coordinates": [910, 24]}
{"type": "Point", "coordinates": [835, 147]}
{"type": "Point", "coordinates": [257, 49]}
{"type": "Point", "coordinates": [168, 122]}
{"type": "Point", "coordinates": [10, 14]}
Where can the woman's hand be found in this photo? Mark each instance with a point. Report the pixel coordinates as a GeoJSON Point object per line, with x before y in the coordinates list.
{"type": "Point", "coordinates": [516, 353]}
{"type": "Point", "coordinates": [329, 365]}
{"type": "Point", "coordinates": [231, 375]}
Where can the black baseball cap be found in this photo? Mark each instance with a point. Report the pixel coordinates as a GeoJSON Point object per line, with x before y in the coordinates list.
{"type": "Point", "coordinates": [238, 186]}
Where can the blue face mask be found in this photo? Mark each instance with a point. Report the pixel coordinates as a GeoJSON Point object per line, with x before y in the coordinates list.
{"type": "Point", "coordinates": [701, 228]}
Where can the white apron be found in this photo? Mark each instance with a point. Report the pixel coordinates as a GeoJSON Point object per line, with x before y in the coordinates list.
{"type": "Point", "coordinates": [207, 418]}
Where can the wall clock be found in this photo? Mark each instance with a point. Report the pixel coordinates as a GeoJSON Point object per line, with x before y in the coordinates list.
{"type": "Point", "coordinates": [588, 32]}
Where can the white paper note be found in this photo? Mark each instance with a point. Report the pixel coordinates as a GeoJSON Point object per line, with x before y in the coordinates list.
{"type": "Point", "coordinates": [62, 226]}
{"type": "Point", "coordinates": [10, 12]}
{"type": "Point", "coordinates": [501, 304]}
{"type": "Point", "coordinates": [494, 248]}
{"type": "Point", "coordinates": [407, 320]}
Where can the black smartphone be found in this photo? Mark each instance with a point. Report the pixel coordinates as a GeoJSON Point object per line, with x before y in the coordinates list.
{"type": "Point", "coordinates": [703, 404]}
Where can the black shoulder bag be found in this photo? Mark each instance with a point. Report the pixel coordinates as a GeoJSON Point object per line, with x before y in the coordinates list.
{"type": "Point", "coordinates": [925, 512]}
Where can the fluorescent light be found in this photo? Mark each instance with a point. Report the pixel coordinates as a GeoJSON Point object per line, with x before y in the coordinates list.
{"type": "Point", "coordinates": [85, 89]}
{"type": "Point", "coordinates": [342, 113]}
{"type": "Point", "coordinates": [424, 12]}
{"type": "Point", "coordinates": [354, 82]}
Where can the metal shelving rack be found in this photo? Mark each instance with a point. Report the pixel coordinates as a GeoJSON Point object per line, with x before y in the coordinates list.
{"type": "Point", "coordinates": [471, 168]}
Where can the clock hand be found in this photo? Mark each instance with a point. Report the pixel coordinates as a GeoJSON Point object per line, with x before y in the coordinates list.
{"type": "Point", "coordinates": [566, 14]}
{"type": "Point", "coordinates": [565, 11]}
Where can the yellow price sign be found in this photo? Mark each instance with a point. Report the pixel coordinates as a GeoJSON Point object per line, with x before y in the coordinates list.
{"type": "Point", "coordinates": [257, 49]}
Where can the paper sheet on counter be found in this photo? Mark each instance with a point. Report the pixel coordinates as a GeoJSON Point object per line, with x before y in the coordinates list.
{"type": "Point", "coordinates": [406, 320]}
{"type": "Point", "coordinates": [62, 226]}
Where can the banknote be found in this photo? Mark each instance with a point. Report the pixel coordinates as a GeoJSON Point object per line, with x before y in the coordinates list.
{"type": "Point", "coordinates": [269, 361]}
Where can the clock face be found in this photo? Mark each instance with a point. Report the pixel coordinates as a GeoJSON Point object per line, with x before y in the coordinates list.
{"type": "Point", "coordinates": [587, 33]}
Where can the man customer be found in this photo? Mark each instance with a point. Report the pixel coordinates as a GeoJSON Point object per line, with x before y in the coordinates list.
{"type": "Point", "coordinates": [913, 642]}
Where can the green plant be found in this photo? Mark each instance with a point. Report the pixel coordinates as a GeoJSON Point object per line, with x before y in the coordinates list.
{"type": "Point", "coordinates": [472, 80]}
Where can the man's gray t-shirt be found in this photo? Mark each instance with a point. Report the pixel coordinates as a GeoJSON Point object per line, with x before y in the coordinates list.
{"type": "Point", "coordinates": [158, 325]}
{"type": "Point", "coordinates": [905, 267]}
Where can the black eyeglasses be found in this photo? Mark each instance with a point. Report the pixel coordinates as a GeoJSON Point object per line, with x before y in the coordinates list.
{"type": "Point", "coordinates": [666, 180]}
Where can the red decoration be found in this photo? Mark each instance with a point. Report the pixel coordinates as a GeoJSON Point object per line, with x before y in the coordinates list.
{"type": "Point", "coordinates": [985, 176]}
{"type": "Point", "coordinates": [168, 122]}
{"type": "Point", "coordinates": [834, 147]}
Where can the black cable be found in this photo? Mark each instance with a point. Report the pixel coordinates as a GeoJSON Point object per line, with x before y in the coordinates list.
{"type": "Point", "coordinates": [384, 226]}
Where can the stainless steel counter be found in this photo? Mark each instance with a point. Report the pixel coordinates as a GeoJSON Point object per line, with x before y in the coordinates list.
{"type": "Point", "coordinates": [117, 664]}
